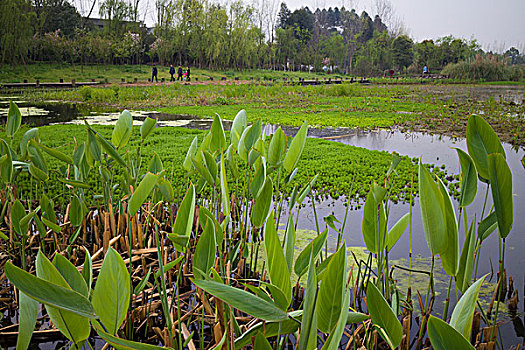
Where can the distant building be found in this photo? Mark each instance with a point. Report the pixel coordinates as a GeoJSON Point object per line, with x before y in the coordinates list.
{"type": "Point", "coordinates": [101, 23]}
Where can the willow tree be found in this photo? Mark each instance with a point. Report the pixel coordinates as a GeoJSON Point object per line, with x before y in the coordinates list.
{"type": "Point", "coordinates": [16, 18]}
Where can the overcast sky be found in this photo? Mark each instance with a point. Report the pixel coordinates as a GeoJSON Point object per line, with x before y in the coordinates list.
{"type": "Point", "coordinates": [497, 24]}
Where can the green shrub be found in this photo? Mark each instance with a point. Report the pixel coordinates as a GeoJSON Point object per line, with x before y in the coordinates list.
{"type": "Point", "coordinates": [484, 68]}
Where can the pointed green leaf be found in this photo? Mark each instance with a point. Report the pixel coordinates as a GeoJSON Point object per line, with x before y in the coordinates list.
{"type": "Point", "coordinates": [242, 300]}
{"type": "Point", "coordinates": [204, 257]}
{"type": "Point", "coordinates": [487, 226]}
{"type": "Point", "coordinates": [279, 275]}
{"type": "Point", "coordinates": [301, 264]}
{"type": "Point", "coordinates": [501, 189]}
{"type": "Point", "coordinates": [123, 344]}
{"type": "Point", "coordinates": [87, 270]}
{"type": "Point", "coordinates": [397, 231]}
{"type": "Point", "coordinates": [466, 261]}
{"type": "Point", "coordinates": [296, 149]}
{"type": "Point", "coordinates": [166, 189]}
{"type": "Point", "coordinates": [308, 339]}
{"type": "Point", "coordinates": [445, 337]}
{"type": "Point", "coordinates": [382, 315]}
{"type": "Point", "coordinates": [218, 138]}
{"type": "Point", "coordinates": [187, 165]}
{"type": "Point", "coordinates": [155, 164]}
{"type": "Point", "coordinates": [27, 314]}
{"type": "Point", "coordinates": [463, 313]}
{"type": "Point", "coordinates": [334, 339]}
{"type": "Point", "coordinates": [110, 150]}
{"type": "Point", "coordinates": [14, 119]}
{"type": "Point", "coordinates": [184, 221]}
{"type": "Point", "coordinates": [70, 273]}
{"type": "Point", "coordinates": [112, 291]}
{"type": "Point", "coordinates": [277, 148]}
{"type": "Point", "coordinates": [76, 212]}
{"type": "Point", "coordinates": [481, 141]}
{"type": "Point", "coordinates": [331, 291]}
{"type": "Point", "coordinates": [17, 213]}
{"type": "Point", "coordinates": [261, 343]}
{"type": "Point", "coordinates": [122, 130]}
{"type": "Point", "coordinates": [263, 204]}
{"type": "Point", "coordinates": [469, 179]}
{"type": "Point", "coordinates": [450, 257]}
{"type": "Point", "coordinates": [147, 127]}
{"type": "Point", "coordinates": [289, 243]}
{"type": "Point", "coordinates": [225, 192]}
{"type": "Point", "coordinates": [141, 193]}
{"type": "Point", "coordinates": [238, 126]}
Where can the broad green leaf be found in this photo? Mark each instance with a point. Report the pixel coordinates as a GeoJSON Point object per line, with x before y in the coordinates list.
{"type": "Point", "coordinates": [331, 291]}
{"type": "Point", "coordinates": [14, 119]}
{"type": "Point", "coordinates": [112, 291]}
{"type": "Point", "coordinates": [469, 179]}
{"type": "Point", "coordinates": [238, 126]}
{"type": "Point", "coordinates": [432, 212]}
{"type": "Point", "coordinates": [192, 151]}
{"type": "Point", "coordinates": [289, 243]}
{"type": "Point", "coordinates": [76, 212]}
{"type": "Point", "coordinates": [444, 337]}
{"type": "Point", "coordinates": [450, 257]}
{"type": "Point", "coordinates": [37, 173]}
{"type": "Point", "coordinates": [277, 148]}
{"type": "Point", "coordinates": [73, 325]}
{"type": "Point", "coordinates": [204, 257]}
{"type": "Point", "coordinates": [466, 261]}
{"type": "Point", "coordinates": [27, 315]}
{"type": "Point", "coordinates": [463, 313]}
{"type": "Point", "coordinates": [203, 171]}
{"type": "Point", "coordinates": [271, 329]}
{"type": "Point", "coordinates": [36, 156]}
{"type": "Point", "coordinates": [17, 213]}
{"type": "Point", "coordinates": [93, 146]}
{"type": "Point", "coordinates": [218, 138]}
{"type": "Point", "coordinates": [166, 189]}
{"type": "Point", "coordinates": [301, 264]}
{"type": "Point", "coordinates": [356, 317]}
{"type": "Point", "coordinates": [147, 127]}
{"type": "Point", "coordinates": [211, 165]}
{"type": "Point", "coordinates": [184, 220]}
{"type": "Point", "coordinates": [49, 293]}
{"type": "Point", "coordinates": [334, 339]}
{"type": "Point", "coordinates": [487, 226]}
{"type": "Point", "coordinates": [110, 150]}
{"type": "Point", "coordinates": [122, 130]}
{"type": "Point", "coordinates": [248, 138]}
{"type": "Point", "coordinates": [482, 141]}
{"type": "Point", "coordinates": [263, 204]}
{"type": "Point", "coordinates": [308, 339]}
{"type": "Point", "coordinates": [306, 190]}
{"type": "Point", "coordinates": [74, 183]}
{"type": "Point", "coordinates": [373, 224]}
{"type": "Point", "coordinates": [155, 164]}
{"type": "Point", "coordinates": [70, 274]}
{"type": "Point", "coordinates": [141, 193]}
{"type": "Point", "coordinates": [31, 134]}
{"type": "Point", "coordinates": [397, 231]}
{"type": "Point", "coordinates": [87, 270]}
{"type": "Point", "coordinates": [56, 228]}
{"type": "Point", "coordinates": [277, 270]}
{"type": "Point", "coordinates": [204, 215]}
{"type": "Point", "coordinates": [225, 192]}
{"type": "Point", "coordinates": [296, 149]}
{"type": "Point", "coordinates": [6, 164]}
{"type": "Point", "coordinates": [123, 344]}
{"type": "Point", "coordinates": [261, 343]}
{"type": "Point", "coordinates": [501, 189]}
{"type": "Point", "coordinates": [57, 154]}
{"type": "Point", "coordinates": [382, 315]}
{"type": "Point", "coordinates": [242, 300]}
{"type": "Point", "coordinates": [258, 179]}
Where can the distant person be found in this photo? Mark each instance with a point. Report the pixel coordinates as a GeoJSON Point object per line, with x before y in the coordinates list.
{"type": "Point", "coordinates": [172, 71]}
{"type": "Point", "coordinates": [179, 73]}
{"type": "Point", "coordinates": [425, 70]}
{"type": "Point", "coordinates": [154, 74]}
{"type": "Point", "coordinates": [188, 74]}
{"type": "Point", "coordinates": [391, 72]}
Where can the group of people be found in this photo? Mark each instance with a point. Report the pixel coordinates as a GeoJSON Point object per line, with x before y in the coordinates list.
{"type": "Point", "coordinates": [182, 76]}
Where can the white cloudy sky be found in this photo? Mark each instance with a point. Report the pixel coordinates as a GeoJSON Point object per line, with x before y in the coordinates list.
{"type": "Point", "coordinates": [497, 24]}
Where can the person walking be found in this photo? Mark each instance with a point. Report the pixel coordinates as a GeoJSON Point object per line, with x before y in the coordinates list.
{"type": "Point", "coordinates": [179, 73]}
{"type": "Point", "coordinates": [154, 74]}
{"type": "Point", "coordinates": [172, 71]}
{"type": "Point", "coordinates": [188, 73]}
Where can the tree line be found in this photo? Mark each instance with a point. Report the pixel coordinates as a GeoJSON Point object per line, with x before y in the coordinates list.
{"type": "Point", "coordinates": [239, 35]}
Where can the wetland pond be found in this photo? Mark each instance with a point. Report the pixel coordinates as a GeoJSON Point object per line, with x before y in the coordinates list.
{"type": "Point", "coordinates": [436, 149]}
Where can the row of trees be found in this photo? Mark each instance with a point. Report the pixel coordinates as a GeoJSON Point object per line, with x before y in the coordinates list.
{"type": "Point", "coordinates": [238, 35]}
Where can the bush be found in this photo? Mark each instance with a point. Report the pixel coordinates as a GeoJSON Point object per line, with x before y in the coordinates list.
{"type": "Point", "coordinates": [483, 68]}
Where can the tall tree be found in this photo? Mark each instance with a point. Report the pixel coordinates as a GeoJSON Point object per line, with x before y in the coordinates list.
{"type": "Point", "coordinates": [402, 51]}
{"type": "Point", "coordinates": [16, 19]}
